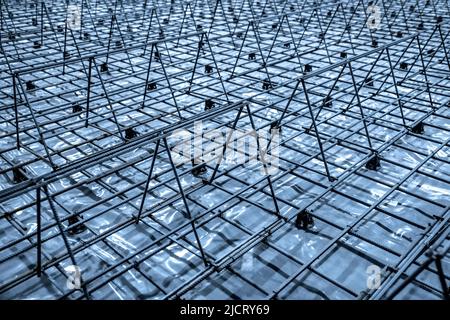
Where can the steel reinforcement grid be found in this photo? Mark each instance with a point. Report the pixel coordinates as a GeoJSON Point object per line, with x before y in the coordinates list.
{"type": "Point", "coordinates": [340, 109]}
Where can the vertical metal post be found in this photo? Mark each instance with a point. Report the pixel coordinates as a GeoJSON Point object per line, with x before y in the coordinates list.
{"type": "Point", "coordinates": [443, 45]}
{"type": "Point", "coordinates": [316, 131]}
{"type": "Point", "coordinates": [329, 94]}
{"type": "Point", "coordinates": [38, 231]}
{"type": "Point", "coordinates": [360, 106]}
{"type": "Point", "coordinates": [42, 23]}
{"type": "Point", "coordinates": [288, 104]}
{"type": "Point", "coordinates": [442, 279]}
{"type": "Point", "coordinates": [38, 128]}
{"type": "Point", "coordinates": [81, 19]}
{"type": "Point", "coordinates": [183, 196]}
{"type": "Point", "coordinates": [399, 102]}
{"type": "Point", "coordinates": [276, 36]}
{"type": "Point", "coordinates": [64, 237]}
{"type": "Point", "coordinates": [196, 61]}
{"type": "Point", "coordinates": [1, 15]}
{"type": "Point", "coordinates": [149, 178]}
{"type": "Point", "coordinates": [260, 51]}
{"type": "Point", "coordinates": [148, 32]}
{"type": "Point", "coordinates": [16, 111]}
{"type": "Point", "coordinates": [65, 47]}
{"type": "Point", "coordinates": [110, 36]}
{"type": "Point", "coordinates": [109, 101]}
{"type": "Point", "coordinates": [425, 73]}
{"type": "Point", "coordinates": [218, 71]}
{"type": "Point", "coordinates": [240, 50]}
{"type": "Point", "coordinates": [181, 26]}
{"type": "Point", "coordinates": [88, 98]}
{"type": "Point", "coordinates": [168, 82]}
{"type": "Point", "coordinates": [148, 76]}
{"type": "Point", "coordinates": [213, 175]}
{"type": "Point", "coordinates": [264, 162]}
